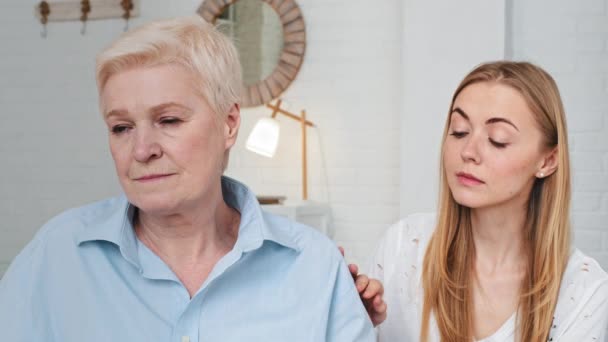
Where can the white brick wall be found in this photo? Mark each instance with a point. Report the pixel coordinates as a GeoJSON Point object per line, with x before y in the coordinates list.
{"type": "Point", "coordinates": [569, 39]}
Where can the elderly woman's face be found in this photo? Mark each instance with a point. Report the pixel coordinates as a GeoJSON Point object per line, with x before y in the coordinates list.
{"type": "Point", "coordinates": [167, 143]}
{"type": "Point", "coordinates": [493, 150]}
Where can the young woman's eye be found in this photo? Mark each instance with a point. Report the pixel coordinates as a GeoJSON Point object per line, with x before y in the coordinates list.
{"type": "Point", "coordinates": [118, 129]}
{"type": "Point", "coordinates": [497, 144]}
{"type": "Point", "coordinates": [458, 134]}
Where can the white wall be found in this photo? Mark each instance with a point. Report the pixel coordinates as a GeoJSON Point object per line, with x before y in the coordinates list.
{"type": "Point", "coordinates": [53, 141]}
{"type": "Point", "coordinates": [570, 39]}
{"type": "Point", "coordinates": [442, 41]}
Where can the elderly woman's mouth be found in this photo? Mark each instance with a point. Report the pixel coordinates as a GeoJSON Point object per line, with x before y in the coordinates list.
{"type": "Point", "coordinates": [153, 177]}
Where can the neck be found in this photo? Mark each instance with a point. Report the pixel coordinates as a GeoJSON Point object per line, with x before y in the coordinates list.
{"type": "Point", "coordinates": [498, 234]}
{"type": "Point", "coordinates": [191, 236]}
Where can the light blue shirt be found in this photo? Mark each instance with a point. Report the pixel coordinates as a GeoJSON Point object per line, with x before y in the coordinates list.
{"type": "Point", "coordinates": [86, 277]}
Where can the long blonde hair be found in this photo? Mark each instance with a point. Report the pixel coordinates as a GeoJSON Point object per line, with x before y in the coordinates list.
{"type": "Point", "coordinates": [448, 262]}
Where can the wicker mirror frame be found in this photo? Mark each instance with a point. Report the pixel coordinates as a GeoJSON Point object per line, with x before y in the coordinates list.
{"type": "Point", "coordinates": [292, 55]}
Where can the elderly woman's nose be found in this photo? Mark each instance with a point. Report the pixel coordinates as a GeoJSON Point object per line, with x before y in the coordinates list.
{"type": "Point", "coordinates": [146, 145]}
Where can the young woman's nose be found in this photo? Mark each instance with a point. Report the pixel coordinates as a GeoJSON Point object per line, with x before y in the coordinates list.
{"type": "Point", "coordinates": [470, 149]}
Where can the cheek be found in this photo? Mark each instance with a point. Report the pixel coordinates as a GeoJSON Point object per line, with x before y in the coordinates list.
{"type": "Point", "coordinates": [511, 164]}
{"type": "Point", "coordinates": [119, 155]}
{"type": "Point", "coordinates": [201, 151]}
{"type": "Point", "coordinates": [450, 155]}
{"type": "Point", "coordinates": [512, 171]}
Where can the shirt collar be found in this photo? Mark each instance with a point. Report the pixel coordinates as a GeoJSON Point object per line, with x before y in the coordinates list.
{"type": "Point", "coordinates": [115, 224]}
{"type": "Point", "coordinates": [254, 228]}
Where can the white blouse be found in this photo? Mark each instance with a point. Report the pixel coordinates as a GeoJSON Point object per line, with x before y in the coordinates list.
{"type": "Point", "coordinates": [581, 313]}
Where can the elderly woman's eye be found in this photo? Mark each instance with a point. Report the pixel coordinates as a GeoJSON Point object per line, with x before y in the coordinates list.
{"type": "Point", "coordinates": [119, 129]}
{"type": "Point", "coordinates": [169, 121]}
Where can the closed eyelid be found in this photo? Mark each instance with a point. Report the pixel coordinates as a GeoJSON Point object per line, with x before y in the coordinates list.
{"type": "Point", "coordinates": [170, 120]}
{"type": "Point", "coordinates": [502, 132]}
{"type": "Point", "coordinates": [459, 124]}
{"type": "Point", "coordinates": [500, 137]}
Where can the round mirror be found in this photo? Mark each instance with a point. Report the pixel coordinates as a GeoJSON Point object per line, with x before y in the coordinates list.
{"type": "Point", "coordinates": [256, 30]}
{"type": "Point", "coordinates": [270, 37]}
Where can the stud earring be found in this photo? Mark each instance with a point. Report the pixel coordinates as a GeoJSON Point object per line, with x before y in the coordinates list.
{"type": "Point", "coordinates": [541, 175]}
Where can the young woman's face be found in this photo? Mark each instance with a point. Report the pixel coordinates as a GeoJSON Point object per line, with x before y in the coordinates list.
{"type": "Point", "coordinates": [494, 150]}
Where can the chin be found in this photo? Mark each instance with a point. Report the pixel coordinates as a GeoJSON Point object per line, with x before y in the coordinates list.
{"type": "Point", "coordinates": [153, 204]}
{"type": "Point", "coordinates": [469, 200]}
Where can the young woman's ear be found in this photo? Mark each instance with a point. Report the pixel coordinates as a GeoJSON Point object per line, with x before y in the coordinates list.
{"type": "Point", "coordinates": [548, 165]}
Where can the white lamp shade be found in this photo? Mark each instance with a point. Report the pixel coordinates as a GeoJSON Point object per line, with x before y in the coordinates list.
{"type": "Point", "coordinates": [264, 137]}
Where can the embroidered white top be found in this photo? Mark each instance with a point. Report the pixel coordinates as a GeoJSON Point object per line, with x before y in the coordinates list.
{"type": "Point", "coordinates": [581, 314]}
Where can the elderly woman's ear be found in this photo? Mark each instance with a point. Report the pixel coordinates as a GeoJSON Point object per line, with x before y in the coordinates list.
{"type": "Point", "coordinates": [232, 122]}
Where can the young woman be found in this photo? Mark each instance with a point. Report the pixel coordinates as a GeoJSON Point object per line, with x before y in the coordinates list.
{"type": "Point", "coordinates": [495, 263]}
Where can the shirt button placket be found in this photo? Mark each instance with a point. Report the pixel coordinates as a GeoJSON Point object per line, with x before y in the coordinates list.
{"type": "Point", "coordinates": [186, 329]}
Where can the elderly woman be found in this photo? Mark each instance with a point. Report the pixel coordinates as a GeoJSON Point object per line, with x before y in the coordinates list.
{"type": "Point", "coordinates": [186, 254]}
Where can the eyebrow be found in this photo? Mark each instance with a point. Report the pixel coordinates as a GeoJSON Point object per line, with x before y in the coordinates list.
{"type": "Point", "coordinates": [164, 106]}
{"type": "Point", "coordinates": [115, 112]}
{"type": "Point", "coordinates": [156, 109]}
{"type": "Point", "coordinates": [489, 121]}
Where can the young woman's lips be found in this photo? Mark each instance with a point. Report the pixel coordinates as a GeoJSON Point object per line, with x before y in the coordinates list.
{"type": "Point", "coordinates": [468, 179]}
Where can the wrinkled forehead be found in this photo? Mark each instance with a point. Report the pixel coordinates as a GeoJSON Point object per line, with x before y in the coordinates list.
{"type": "Point", "coordinates": [148, 86]}
{"type": "Point", "coordinates": [139, 89]}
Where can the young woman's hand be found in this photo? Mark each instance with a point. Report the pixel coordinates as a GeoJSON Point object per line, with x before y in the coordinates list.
{"type": "Point", "coordinates": [370, 291]}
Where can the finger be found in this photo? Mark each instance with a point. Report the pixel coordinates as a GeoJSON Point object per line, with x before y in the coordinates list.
{"type": "Point", "coordinates": [379, 304]}
{"type": "Point", "coordinates": [381, 310]}
{"type": "Point", "coordinates": [361, 282]}
{"type": "Point", "coordinates": [377, 301]}
{"type": "Point", "coordinates": [377, 286]}
{"type": "Point", "coordinates": [341, 250]}
{"type": "Point", "coordinates": [353, 272]}
{"type": "Point", "coordinates": [374, 287]}
{"type": "Point", "coordinates": [378, 318]}
{"type": "Point", "coordinates": [378, 312]}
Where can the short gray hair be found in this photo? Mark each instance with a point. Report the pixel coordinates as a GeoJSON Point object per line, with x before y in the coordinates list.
{"type": "Point", "coordinates": [190, 42]}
